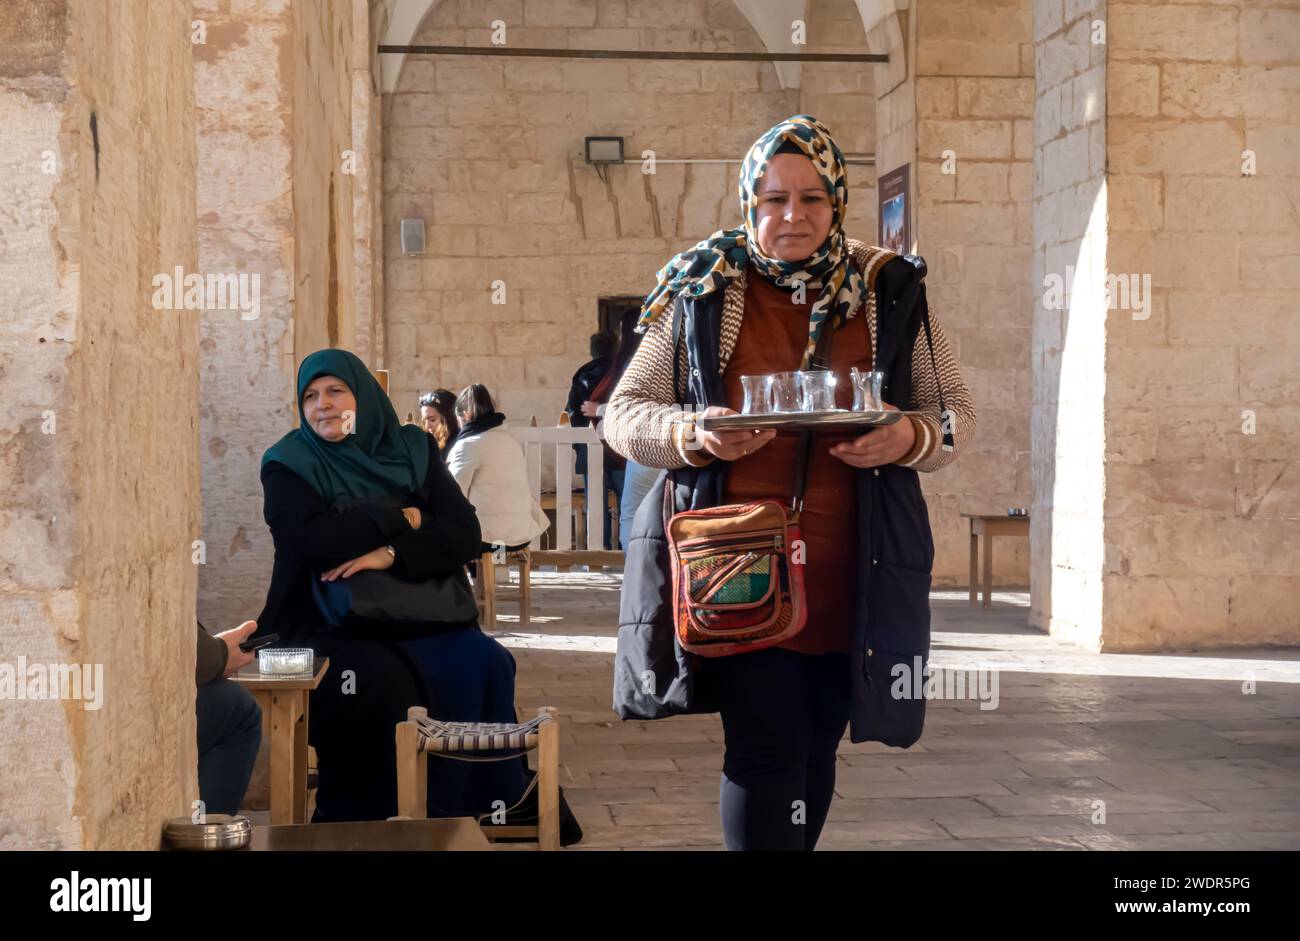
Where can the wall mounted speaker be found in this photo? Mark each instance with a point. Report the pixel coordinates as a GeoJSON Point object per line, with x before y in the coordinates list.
{"type": "Point", "coordinates": [412, 236]}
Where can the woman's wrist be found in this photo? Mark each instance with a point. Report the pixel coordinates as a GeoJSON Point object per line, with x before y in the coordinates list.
{"type": "Point", "coordinates": [687, 442]}
{"type": "Point", "coordinates": [922, 444]}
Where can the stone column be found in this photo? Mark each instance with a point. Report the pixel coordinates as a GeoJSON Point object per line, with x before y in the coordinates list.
{"type": "Point", "coordinates": [1069, 369]}
{"type": "Point", "coordinates": [1202, 407]}
{"type": "Point", "coordinates": [1166, 417]}
{"type": "Point", "coordinates": [285, 193]}
{"type": "Point", "coordinates": [98, 439]}
{"type": "Point", "coordinates": [243, 79]}
{"type": "Point", "coordinates": [971, 181]}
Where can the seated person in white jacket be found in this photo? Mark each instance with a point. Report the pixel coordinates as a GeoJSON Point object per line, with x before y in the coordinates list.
{"type": "Point", "coordinates": [488, 463]}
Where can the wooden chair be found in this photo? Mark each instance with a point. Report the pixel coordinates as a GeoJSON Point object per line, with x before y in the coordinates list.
{"type": "Point", "coordinates": [485, 586]}
{"type": "Point", "coordinates": [419, 736]}
{"type": "Point", "coordinates": [560, 496]}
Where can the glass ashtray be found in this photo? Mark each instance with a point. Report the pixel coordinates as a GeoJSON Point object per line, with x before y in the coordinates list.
{"type": "Point", "coordinates": [284, 661]}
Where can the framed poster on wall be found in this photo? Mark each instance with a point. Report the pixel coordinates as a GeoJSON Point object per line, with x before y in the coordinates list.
{"type": "Point", "coordinates": [894, 216]}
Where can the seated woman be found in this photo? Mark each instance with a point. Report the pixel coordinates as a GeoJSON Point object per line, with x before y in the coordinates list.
{"type": "Point", "coordinates": [353, 489]}
{"type": "Point", "coordinates": [488, 463]}
{"type": "Point", "coordinates": [438, 415]}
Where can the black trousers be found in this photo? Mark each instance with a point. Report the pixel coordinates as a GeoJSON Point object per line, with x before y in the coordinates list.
{"type": "Point", "coordinates": [783, 715]}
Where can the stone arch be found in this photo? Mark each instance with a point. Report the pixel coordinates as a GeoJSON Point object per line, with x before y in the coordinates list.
{"type": "Point", "coordinates": [770, 20]}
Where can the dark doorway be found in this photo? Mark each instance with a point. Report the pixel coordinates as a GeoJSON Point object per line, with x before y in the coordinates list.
{"type": "Point", "coordinates": [610, 312]}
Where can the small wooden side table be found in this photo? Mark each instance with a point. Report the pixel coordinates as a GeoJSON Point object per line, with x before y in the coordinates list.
{"type": "Point", "coordinates": [284, 703]}
{"type": "Point", "coordinates": [989, 525]}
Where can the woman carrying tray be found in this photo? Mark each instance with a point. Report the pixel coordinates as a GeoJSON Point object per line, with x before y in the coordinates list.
{"type": "Point", "coordinates": [750, 301]}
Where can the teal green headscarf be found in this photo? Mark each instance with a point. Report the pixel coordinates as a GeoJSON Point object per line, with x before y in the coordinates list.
{"type": "Point", "coordinates": [381, 457]}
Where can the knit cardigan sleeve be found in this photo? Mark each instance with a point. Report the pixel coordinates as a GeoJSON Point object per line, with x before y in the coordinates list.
{"type": "Point", "coordinates": [927, 452]}
{"type": "Point", "coordinates": [645, 419]}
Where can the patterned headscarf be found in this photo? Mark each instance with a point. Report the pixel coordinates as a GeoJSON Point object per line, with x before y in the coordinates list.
{"type": "Point", "coordinates": [714, 262]}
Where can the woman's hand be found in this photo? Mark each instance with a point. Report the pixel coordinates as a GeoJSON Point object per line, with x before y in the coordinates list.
{"type": "Point", "coordinates": [378, 559]}
{"type": "Point", "coordinates": [730, 445]}
{"type": "Point", "coordinates": [883, 444]}
{"type": "Point", "coordinates": [412, 515]}
{"type": "Point", "coordinates": [590, 409]}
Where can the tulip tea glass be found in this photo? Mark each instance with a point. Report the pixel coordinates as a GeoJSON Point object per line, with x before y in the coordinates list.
{"type": "Point", "coordinates": [817, 390]}
{"type": "Point", "coordinates": [758, 395]}
{"type": "Point", "coordinates": [866, 390]}
{"type": "Point", "coordinates": [784, 391]}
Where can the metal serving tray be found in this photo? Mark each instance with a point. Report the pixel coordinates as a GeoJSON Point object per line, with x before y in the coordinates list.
{"type": "Point", "coordinates": [799, 421]}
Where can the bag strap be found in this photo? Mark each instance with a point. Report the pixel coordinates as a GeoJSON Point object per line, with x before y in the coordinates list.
{"type": "Point", "coordinates": [677, 339]}
{"type": "Point", "coordinates": [944, 422]}
{"type": "Point", "coordinates": [821, 359]}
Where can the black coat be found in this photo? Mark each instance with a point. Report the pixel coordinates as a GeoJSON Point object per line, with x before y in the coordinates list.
{"type": "Point", "coordinates": [654, 677]}
{"type": "Point", "coordinates": [581, 387]}
{"type": "Point", "coordinates": [371, 681]}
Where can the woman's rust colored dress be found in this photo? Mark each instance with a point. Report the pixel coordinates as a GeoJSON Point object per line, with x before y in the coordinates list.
{"type": "Point", "coordinates": [772, 339]}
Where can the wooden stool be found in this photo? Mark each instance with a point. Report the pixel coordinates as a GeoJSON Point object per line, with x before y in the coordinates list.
{"type": "Point", "coordinates": [486, 585]}
{"type": "Point", "coordinates": [989, 525]}
{"type": "Point", "coordinates": [419, 736]}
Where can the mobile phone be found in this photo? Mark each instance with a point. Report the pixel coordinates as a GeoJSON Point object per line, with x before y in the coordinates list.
{"type": "Point", "coordinates": [257, 643]}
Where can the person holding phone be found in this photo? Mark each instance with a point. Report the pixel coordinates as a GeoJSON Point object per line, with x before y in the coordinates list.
{"type": "Point", "coordinates": [229, 718]}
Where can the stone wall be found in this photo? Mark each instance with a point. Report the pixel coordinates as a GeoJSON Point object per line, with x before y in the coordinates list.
{"type": "Point", "coordinates": [1069, 355]}
{"type": "Point", "coordinates": [974, 99]}
{"type": "Point", "coordinates": [243, 79]}
{"type": "Point", "coordinates": [322, 197]}
{"type": "Point", "coordinates": [98, 442]}
{"type": "Point", "coordinates": [489, 153]}
{"type": "Point", "coordinates": [283, 90]}
{"type": "Point", "coordinates": [1202, 393]}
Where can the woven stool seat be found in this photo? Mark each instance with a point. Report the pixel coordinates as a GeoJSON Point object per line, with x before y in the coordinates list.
{"type": "Point", "coordinates": [436, 735]}
{"type": "Point", "coordinates": [421, 736]}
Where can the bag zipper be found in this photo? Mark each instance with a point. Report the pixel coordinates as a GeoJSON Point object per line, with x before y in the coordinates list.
{"type": "Point", "coordinates": [766, 537]}
{"type": "Point", "coordinates": [729, 570]}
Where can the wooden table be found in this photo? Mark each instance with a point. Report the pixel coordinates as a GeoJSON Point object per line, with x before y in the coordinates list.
{"type": "Point", "coordinates": [989, 525]}
{"type": "Point", "coordinates": [448, 833]}
{"type": "Point", "coordinates": [285, 705]}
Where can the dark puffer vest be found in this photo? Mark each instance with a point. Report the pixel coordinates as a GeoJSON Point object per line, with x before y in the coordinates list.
{"type": "Point", "coordinates": [655, 678]}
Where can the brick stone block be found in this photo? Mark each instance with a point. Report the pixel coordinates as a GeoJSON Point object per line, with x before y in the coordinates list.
{"type": "Point", "coordinates": [1133, 88]}
{"type": "Point", "coordinates": [995, 97]}
{"type": "Point", "coordinates": [464, 74]}
{"type": "Point", "coordinates": [982, 182]}
{"type": "Point", "coordinates": [1260, 205]}
{"type": "Point", "coordinates": [1148, 31]}
{"type": "Point", "coordinates": [1190, 90]}
{"type": "Point", "coordinates": [1268, 36]}
{"type": "Point", "coordinates": [967, 57]}
{"type": "Point", "coordinates": [545, 13]}
{"type": "Point", "coordinates": [532, 339]}
{"type": "Point", "coordinates": [533, 75]}
{"type": "Point", "coordinates": [1203, 148]}
{"type": "Point", "coordinates": [979, 140]}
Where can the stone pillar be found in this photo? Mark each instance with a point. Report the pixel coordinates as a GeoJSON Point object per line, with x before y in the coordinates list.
{"type": "Point", "coordinates": [98, 436]}
{"type": "Point", "coordinates": [242, 80]}
{"type": "Point", "coordinates": [841, 97]}
{"type": "Point", "coordinates": [1069, 368]}
{"type": "Point", "coordinates": [1202, 422]}
{"type": "Point", "coordinates": [285, 193]}
{"type": "Point", "coordinates": [1165, 410]}
{"type": "Point", "coordinates": [971, 183]}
